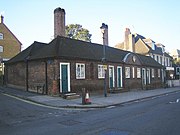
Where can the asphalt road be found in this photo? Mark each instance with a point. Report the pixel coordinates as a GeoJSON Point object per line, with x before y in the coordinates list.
{"type": "Point", "coordinates": [157, 116]}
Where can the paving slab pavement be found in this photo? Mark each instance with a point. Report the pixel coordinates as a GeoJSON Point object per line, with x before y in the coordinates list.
{"type": "Point", "coordinates": [98, 101]}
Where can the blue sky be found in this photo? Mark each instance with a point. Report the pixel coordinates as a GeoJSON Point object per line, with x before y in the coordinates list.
{"type": "Point", "coordinates": [156, 19]}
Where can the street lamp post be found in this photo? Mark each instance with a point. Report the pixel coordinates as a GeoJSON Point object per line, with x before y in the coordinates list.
{"type": "Point", "coordinates": [105, 68]}
{"type": "Point", "coordinates": [179, 74]}
{"type": "Point", "coordinates": [164, 67]}
{"type": "Point", "coordinates": [103, 28]}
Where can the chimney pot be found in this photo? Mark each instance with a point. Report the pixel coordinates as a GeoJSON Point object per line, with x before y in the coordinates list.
{"type": "Point", "coordinates": [2, 19]}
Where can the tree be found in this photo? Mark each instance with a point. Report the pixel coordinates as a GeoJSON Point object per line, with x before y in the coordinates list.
{"type": "Point", "coordinates": [177, 61]}
{"type": "Point", "coordinates": [76, 31]}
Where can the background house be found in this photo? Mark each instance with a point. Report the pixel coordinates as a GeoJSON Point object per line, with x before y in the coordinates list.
{"type": "Point", "coordinates": [176, 57]}
{"type": "Point", "coordinates": [9, 45]}
{"type": "Point", "coordinates": [175, 54]}
{"type": "Point", "coordinates": [139, 44]}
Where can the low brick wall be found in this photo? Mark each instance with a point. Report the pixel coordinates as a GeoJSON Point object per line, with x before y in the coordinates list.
{"type": "Point", "coordinates": [173, 83]}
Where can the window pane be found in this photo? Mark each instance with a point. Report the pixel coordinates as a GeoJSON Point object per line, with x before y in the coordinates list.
{"type": "Point", "coordinates": [1, 36]}
{"type": "Point", "coordinates": [127, 71]}
{"type": "Point", "coordinates": [1, 48]}
{"type": "Point", "coordinates": [138, 73]}
{"type": "Point", "coordinates": [101, 72]}
{"type": "Point", "coordinates": [80, 71]}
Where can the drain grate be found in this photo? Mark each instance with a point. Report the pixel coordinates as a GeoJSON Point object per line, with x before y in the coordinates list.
{"type": "Point", "coordinates": [69, 122]}
{"type": "Point", "coordinates": [114, 132]}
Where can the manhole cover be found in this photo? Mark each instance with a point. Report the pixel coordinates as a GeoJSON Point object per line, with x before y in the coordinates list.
{"type": "Point", "coordinates": [114, 132]}
{"type": "Point", "coordinates": [69, 122]}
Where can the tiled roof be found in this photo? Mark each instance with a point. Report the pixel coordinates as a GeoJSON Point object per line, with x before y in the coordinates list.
{"type": "Point", "coordinates": [28, 52]}
{"type": "Point", "coordinates": [62, 47]}
{"type": "Point", "coordinates": [148, 61]}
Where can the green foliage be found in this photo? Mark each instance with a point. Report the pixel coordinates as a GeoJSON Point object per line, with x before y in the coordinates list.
{"type": "Point", "coordinates": [76, 31]}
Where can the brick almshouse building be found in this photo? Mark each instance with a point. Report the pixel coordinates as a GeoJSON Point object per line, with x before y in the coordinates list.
{"type": "Point", "coordinates": [66, 65]}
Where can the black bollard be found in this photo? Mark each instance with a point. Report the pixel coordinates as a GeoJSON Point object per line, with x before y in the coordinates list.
{"type": "Point", "coordinates": [83, 96]}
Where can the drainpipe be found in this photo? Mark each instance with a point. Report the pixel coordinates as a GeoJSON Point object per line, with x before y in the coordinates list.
{"type": "Point", "coordinates": [27, 75]}
{"type": "Point", "coordinates": [46, 78]}
{"type": "Point", "coordinates": [141, 74]}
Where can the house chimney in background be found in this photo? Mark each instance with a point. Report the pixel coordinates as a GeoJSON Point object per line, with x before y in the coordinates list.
{"type": "Point", "coordinates": [2, 19]}
{"type": "Point", "coordinates": [104, 31]}
{"type": "Point", "coordinates": [131, 43]}
{"type": "Point", "coordinates": [126, 38]}
{"type": "Point", "coordinates": [129, 40]}
{"type": "Point", "coordinates": [59, 22]}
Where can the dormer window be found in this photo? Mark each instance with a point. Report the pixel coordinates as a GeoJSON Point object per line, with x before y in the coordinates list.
{"type": "Point", "coordinates": [153, 46]}
{"type": "Point", "coordinates": [1, 36]}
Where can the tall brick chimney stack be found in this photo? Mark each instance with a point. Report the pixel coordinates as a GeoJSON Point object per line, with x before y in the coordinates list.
{"type": "Point", "coordinates": [59, 22]}
{"type": "Point", "coordinates": [104, 31]}
{"type": "Point", "coordinates": [2, 19]}
{"type": "Point", "coordinates": [126, 38]}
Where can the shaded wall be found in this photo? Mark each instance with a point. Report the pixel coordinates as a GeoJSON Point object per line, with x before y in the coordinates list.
{"type": "Point", "coordinates": [15, 75]}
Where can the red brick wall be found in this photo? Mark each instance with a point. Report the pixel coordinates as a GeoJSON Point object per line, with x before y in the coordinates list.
{"type": "Point", "coordinates": [16, 75]}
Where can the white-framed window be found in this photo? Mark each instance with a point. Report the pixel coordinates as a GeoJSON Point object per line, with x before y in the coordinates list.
{"type": "Point", "coordinates": [80, 71]}
{"type": "Point", "coordinates": [160, 59]}
{"type": "Point", "coordinates": [163, 61]}
{"type": "Point", "coordinates": [119, 77]}
{"type": "Point", "coordinates": [144, 76]}
{"type": "Point", "coordinates": [152, 72]}
{"type": "Point", "coordinates": [148, 76]}
{"type": "Point", "coordinates": [138, 72]}
{"type": "Point", "coordinates": [101, 71]}
{"type": "Point", "coordinates": [127, 72]}
{"type": "Point", "coordinates": [1, 49]}
{"type": "Point", "coordinates": [168, 62]}
{"type": "Point", "coordinates": [159, 73]}
{"type": "Point", "coordinates": [111, 77]}
{"type": "Point", "coordinates": [133, 72]}
{"type": "Point", "coordinates": [1, 36]}
{"type": "Point", "coordinates": [155, 57]}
